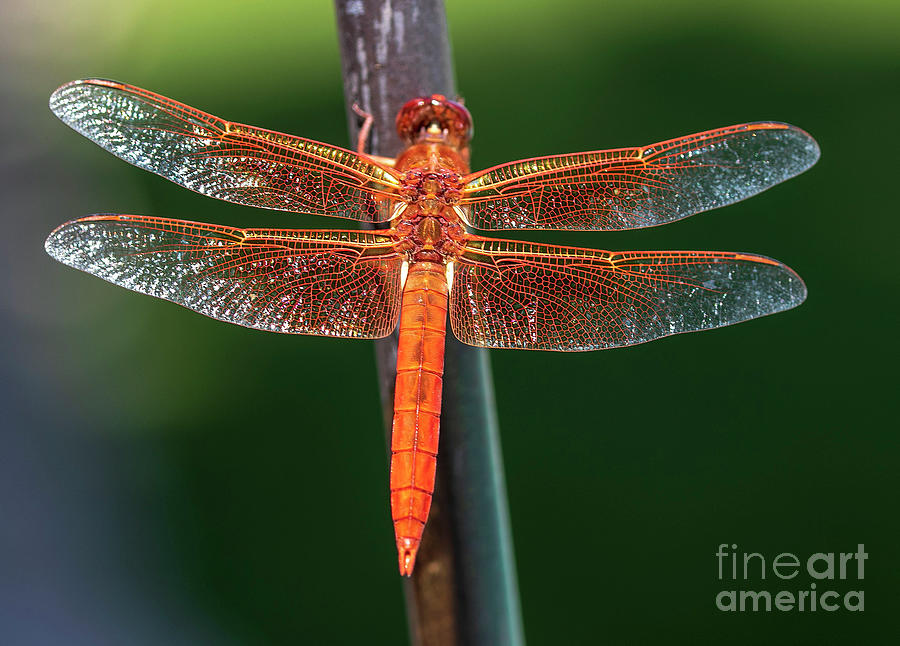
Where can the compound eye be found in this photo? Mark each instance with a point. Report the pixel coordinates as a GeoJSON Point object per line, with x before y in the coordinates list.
{"type": "Point", "coordinates": [409, 118]}
{"type": "Point", "coordinates": [434, 112]}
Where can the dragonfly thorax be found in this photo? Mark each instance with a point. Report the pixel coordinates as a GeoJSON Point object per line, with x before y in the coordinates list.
{"type": "Point", "coordinates": [430, 189]}
{"type": "Point", "coordinates": [429, 238]}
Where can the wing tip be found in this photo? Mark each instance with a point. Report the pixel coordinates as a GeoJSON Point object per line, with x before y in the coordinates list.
{"type": "Point", "coordinates": [63, 90]}
{"type": "Point", "coordinates": [799, 291]}
{"type": "Point", "coordinates": [809, 152]}
{"type": "Point", "coordinates": [50, 244]}
{"type": "Point", "coordinates": [796, 291]}
{"type": "Point", "coordinates": [55, 245]}
{"type": "Point", "coordinates": [795, 296]}
{"type": "Point", "coordinates": [806, 147]}
{"type": "Point", "coordinates": [792, 292]}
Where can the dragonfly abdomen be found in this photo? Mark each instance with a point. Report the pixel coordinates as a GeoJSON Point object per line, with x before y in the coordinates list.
{"type": "Point", "coordinates": [417, 405]}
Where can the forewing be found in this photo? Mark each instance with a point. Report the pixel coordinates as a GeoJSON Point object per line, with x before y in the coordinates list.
{"type": "Point", "coordinates": [226, 160]}
{"type": "Point", "coordinates": [510, 294]}
{"type": "Point", "coordinates": [630, 188]}
{"type": "Point", "coordinates": [326, 283]}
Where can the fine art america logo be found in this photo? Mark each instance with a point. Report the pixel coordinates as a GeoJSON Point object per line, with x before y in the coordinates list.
{"type": "Point", "coordinates": [821, 581]}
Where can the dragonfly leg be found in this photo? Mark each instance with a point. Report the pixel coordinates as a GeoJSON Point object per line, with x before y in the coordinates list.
{"type": "Point", "coordinates": [368, 120]}
{"type": "Point", "coordinates": [363, 137]}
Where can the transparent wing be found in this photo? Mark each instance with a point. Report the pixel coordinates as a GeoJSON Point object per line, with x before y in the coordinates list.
{"type": "Point", "coordinates": [509, 294]}
{"type": "Point", "coordinates": [226, 160]}
{"type": "Point", "coordinates": [630, 188]}
{"type": "Point", "coordinates": [326, 283]}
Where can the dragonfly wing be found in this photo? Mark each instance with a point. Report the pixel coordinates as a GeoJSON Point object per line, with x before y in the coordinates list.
{"type": "Point", "coordinates": [509, 294]}
{"type": "Point", "coordinates": [226, 160]}
{"type": "Point", "coordinates": [630, 188]}
{"type": "Point", "coordinates": [325, 283]}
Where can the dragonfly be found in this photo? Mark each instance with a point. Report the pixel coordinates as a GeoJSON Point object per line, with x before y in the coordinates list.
{"type": "Point", "coordinates": [427, 267]}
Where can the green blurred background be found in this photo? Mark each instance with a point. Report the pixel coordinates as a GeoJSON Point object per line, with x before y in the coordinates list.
{"type": "Point", "coordinates": [170, 479]}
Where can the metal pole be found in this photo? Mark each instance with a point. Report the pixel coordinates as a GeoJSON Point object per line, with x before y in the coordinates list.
{"type": "Point", "coordinates": [463, 590]}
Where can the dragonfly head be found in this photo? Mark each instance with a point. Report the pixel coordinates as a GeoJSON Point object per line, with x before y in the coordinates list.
{"type": "Point", "coordinates": [435, 118]}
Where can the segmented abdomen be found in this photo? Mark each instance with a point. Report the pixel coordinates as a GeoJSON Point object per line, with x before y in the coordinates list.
{"type": "Point", "coordinates": [417, 405]}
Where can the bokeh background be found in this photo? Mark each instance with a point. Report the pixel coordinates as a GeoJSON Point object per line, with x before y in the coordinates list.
{"type": "Point", "coordinates": [160, 470]}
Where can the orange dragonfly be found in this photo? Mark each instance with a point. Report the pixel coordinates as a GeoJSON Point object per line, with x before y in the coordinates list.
{"type": "Point", "coordinates": [359, 284]}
